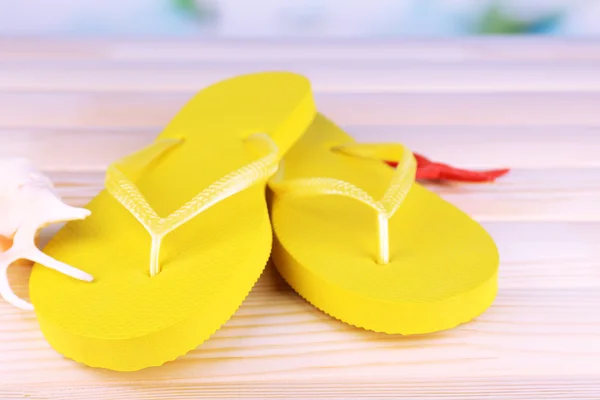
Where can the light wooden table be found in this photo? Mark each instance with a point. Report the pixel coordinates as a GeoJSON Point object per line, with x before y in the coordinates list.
{"type": "Point", "coordinates": [533, 105]}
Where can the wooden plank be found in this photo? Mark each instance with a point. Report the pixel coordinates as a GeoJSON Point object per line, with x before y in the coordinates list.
{"type": "Point", "coordinates": [92, 149]}
{"type": "Point", "coordinates": [531, 195]}
{"type": "Point", "coordinates": [523, 195]}
{"type": "Point", "coordinates": [330, 76]}
{"type": "Point", "coordinates": [102, 110]}
{"type": "Point", "coordinates": [360, 388]}
{"type": "Point", "coordinates": [541, 339]}
{"type": "Point", "coordinates": [432, 50]}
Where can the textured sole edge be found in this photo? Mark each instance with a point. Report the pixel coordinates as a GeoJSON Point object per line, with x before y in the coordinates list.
{"type": "Point", "coordinates": [174, 358]}
{"type": "Point", "coordinates": [282, 257]}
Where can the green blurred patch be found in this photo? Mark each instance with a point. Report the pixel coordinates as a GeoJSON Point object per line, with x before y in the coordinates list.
{"type": "Point", "coordinates": [496, 21]}
{"type": "Point", "coordinates": [195, 8]}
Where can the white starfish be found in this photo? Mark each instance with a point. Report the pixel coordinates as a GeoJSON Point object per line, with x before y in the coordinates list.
{"type": "Point", "coordinates": [28, 202]}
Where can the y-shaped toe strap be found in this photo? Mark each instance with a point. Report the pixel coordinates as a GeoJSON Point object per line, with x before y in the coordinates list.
{"type": "Point", "coordinates": [402, 180]}
{"type": "Point", "coordinates": [121, 177]}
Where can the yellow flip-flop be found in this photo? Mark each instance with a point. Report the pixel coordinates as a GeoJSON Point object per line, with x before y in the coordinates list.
{"type": "Point", "coordinates": [197, 195]}
{"type": "Point", "coordinates": [409, 263]}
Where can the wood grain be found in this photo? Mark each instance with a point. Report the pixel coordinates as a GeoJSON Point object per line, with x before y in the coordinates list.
{"type": "Point", "coordinates": [336, 76]}
{"type": "Point", "coordinates": [524, 195]}
{"type": "Point", "coordinates": [104, 110]}
{"type": "Point", "coordinates": [64, 149]}
{"type": "Point", "coordinates": [532, 104]}
{"type": "Point", "coordinates": [227, 50]}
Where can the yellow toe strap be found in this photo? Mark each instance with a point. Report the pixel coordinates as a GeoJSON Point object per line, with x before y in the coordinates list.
{"type": "Point", "coordinates": [402, 180]}
{"type": "Point", "coordinates": [121, 177]}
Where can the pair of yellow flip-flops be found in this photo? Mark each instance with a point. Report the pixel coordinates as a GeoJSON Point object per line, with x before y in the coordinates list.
{"type": "Point", "coordinates": [182, 232]}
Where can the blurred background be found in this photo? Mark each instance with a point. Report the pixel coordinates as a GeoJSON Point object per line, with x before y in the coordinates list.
{"type": "Point", "coordinates": [299, 18]}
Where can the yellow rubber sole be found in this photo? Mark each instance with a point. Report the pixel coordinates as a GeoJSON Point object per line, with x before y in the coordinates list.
{"type": "Point", "coordinates": [443, 269]}
{"type": "Point", "coordinates": [126, 320]}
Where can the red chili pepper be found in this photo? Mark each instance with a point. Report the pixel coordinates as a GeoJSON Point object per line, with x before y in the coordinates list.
{"type": "Point", "coordinates": [434, 171]}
